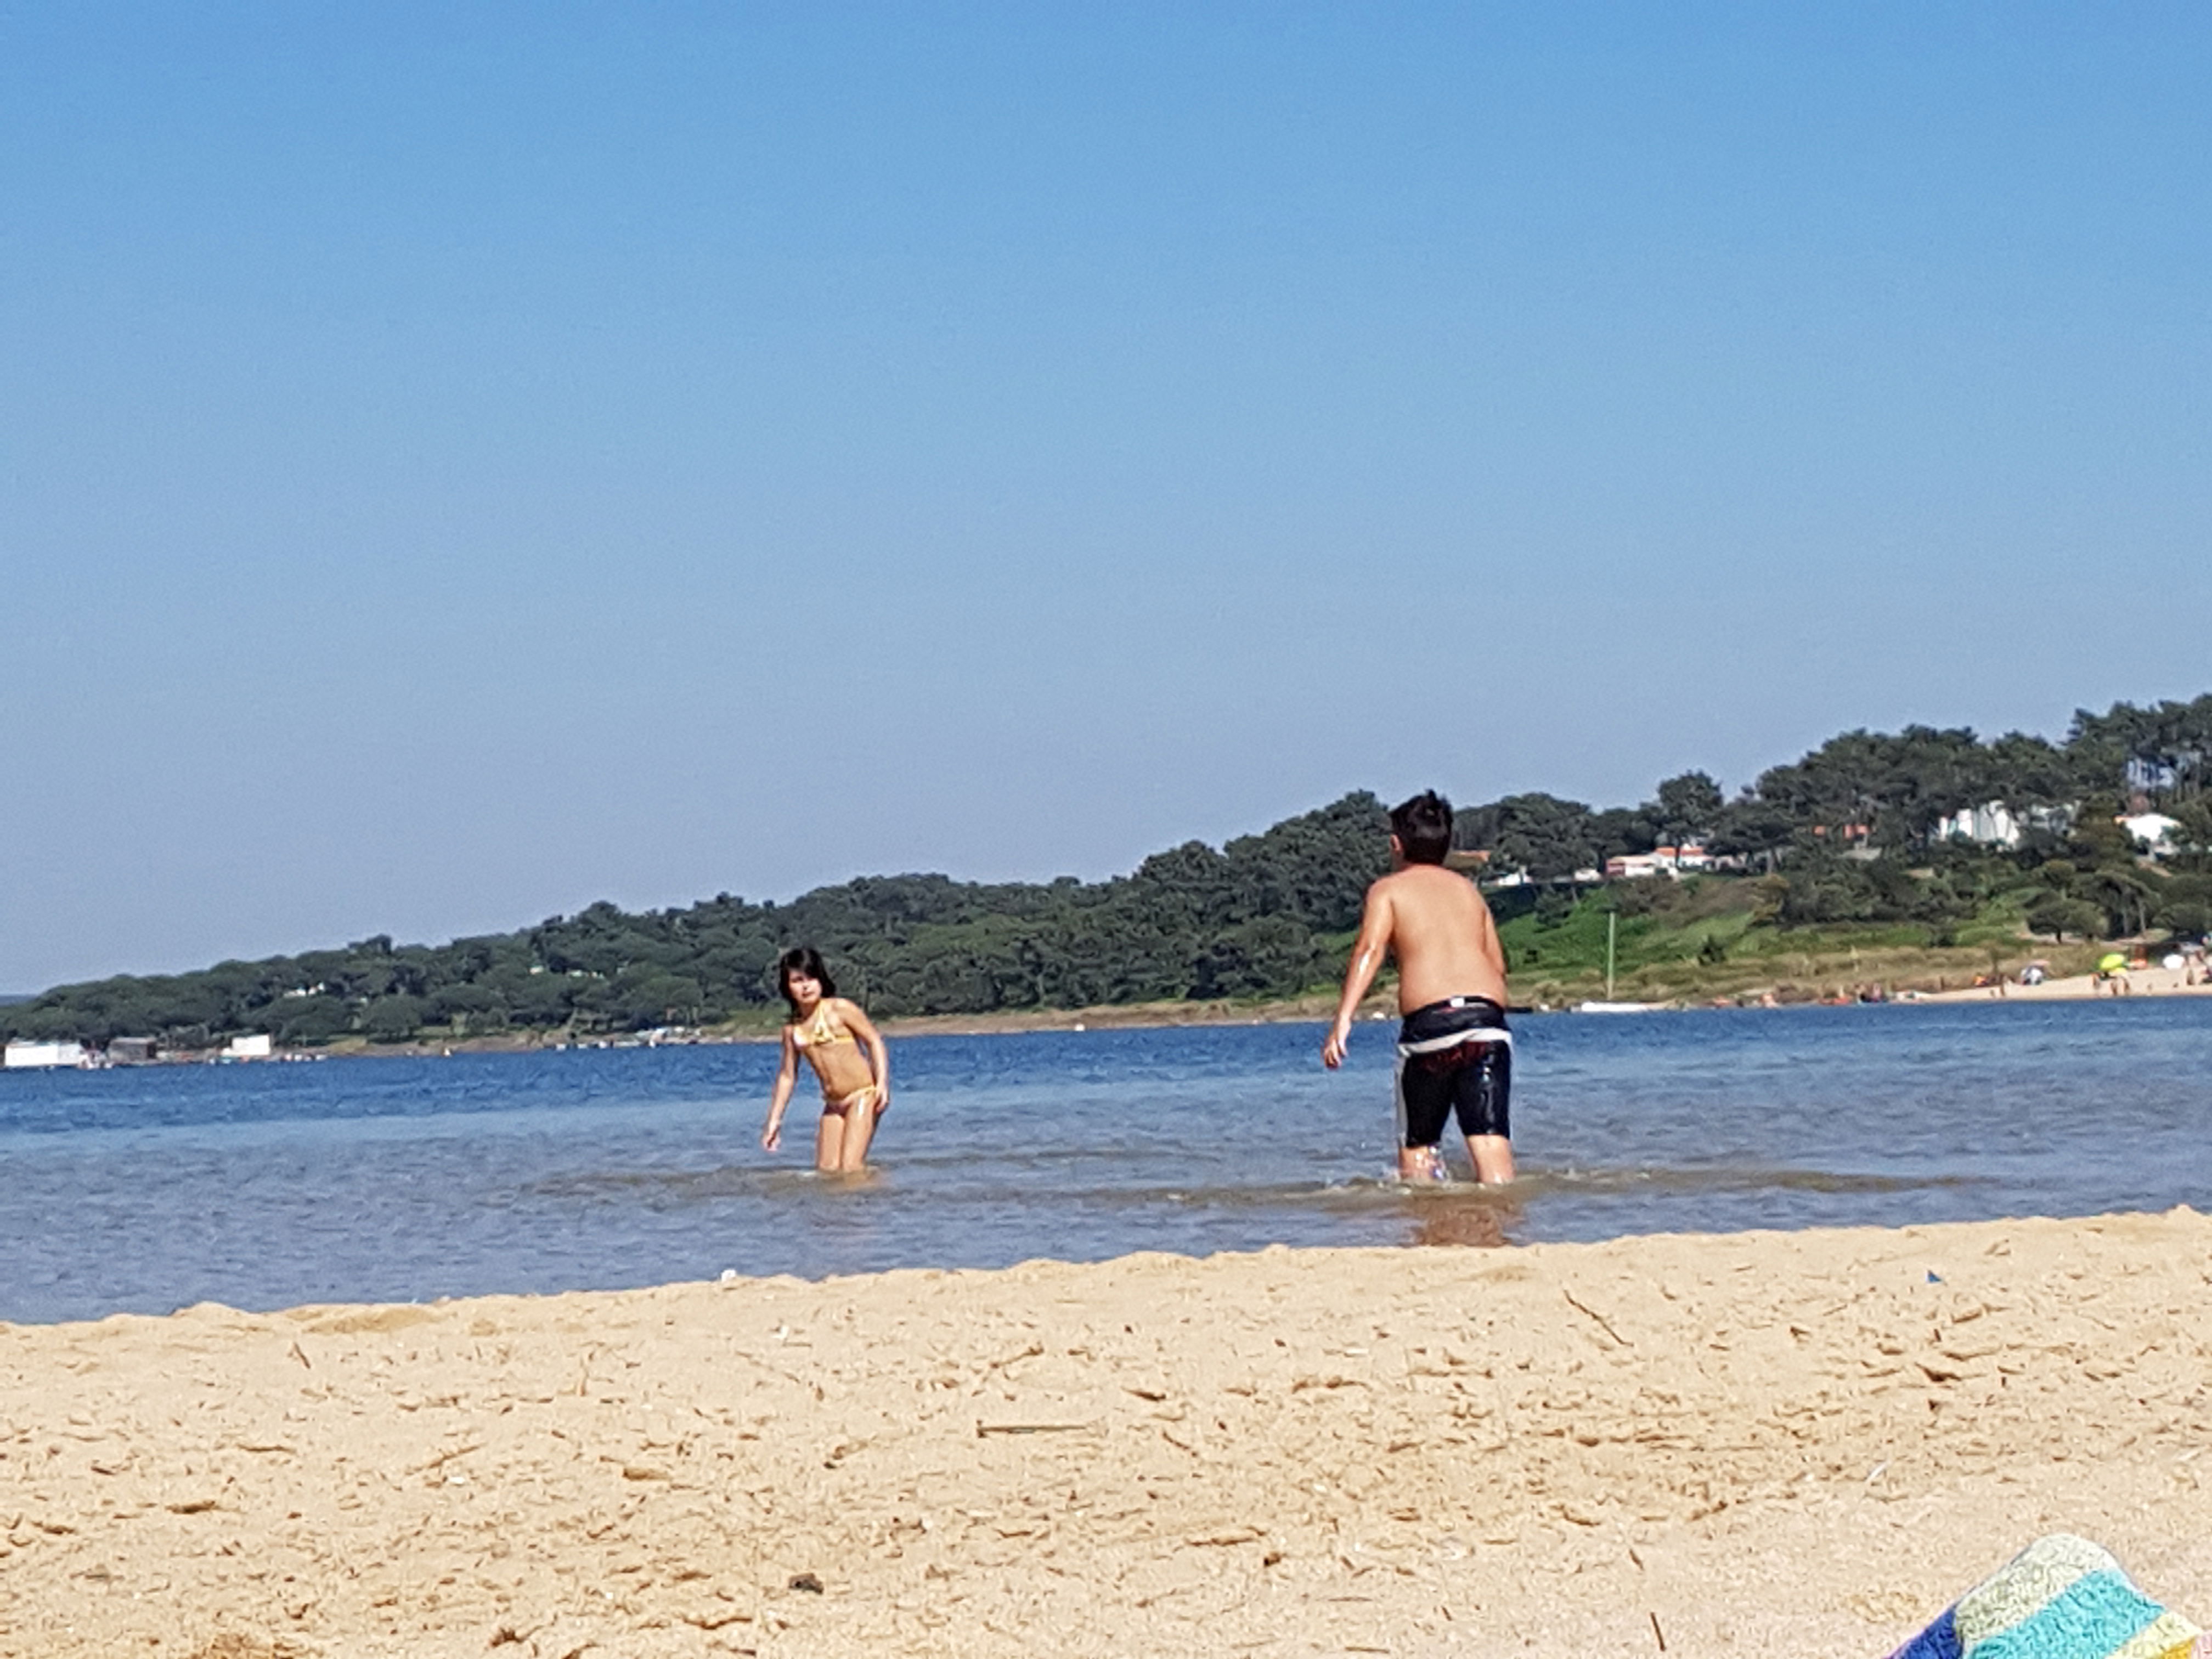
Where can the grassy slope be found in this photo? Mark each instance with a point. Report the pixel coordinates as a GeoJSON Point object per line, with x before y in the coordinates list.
{"type": "Point", "coordinates": [1658, 957]}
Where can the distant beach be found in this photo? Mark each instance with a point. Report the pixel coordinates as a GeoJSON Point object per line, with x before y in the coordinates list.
{"type": "Point", "coordinates": [2079, 988]}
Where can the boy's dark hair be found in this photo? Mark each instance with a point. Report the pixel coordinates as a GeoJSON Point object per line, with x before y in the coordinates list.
{"type": "Point", "coordinates": [802, 959]}
{"type": "Point", "coordinates": [1423, 826]}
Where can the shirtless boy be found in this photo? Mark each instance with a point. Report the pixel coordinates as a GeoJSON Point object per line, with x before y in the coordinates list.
{"type": "Point", "coordinates": [1455, 1054]}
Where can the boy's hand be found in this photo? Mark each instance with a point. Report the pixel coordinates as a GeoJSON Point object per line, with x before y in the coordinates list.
{"type": "Point", "coordinates": [1332, 1051]}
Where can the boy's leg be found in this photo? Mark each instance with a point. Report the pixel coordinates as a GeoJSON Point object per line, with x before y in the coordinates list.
{"type": "Point", "coordinates": [1483, 1103]}
{"type": "Point", "coordinates": [1421, 1164]}
{"type": "Point", "coordinates": [1424, 1103]}
{"type": "Point", "coordinates": [1492, 1157]}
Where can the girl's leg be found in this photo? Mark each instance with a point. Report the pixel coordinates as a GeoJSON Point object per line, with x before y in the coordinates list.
{"type": "Point", "coordinates": [859, 1116]}
{"type": "Point", "coordinates": [829, 1138]}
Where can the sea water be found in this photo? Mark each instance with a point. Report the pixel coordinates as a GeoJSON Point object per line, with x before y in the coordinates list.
{"type": "Point", "coordinates": [265, 1186]}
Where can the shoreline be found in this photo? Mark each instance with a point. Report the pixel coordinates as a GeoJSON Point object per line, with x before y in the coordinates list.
{"type": "Point", "coordinates": [1136, 1015]}
{"type": "Point", "coordinates": [1770, 1443]}
{"type": "Point", "coordinates": [1314, 1008]}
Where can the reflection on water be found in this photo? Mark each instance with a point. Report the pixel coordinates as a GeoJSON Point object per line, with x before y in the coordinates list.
{"type": "Point", "coordinates": [1477, 1220]}
{"type": "Point", "coordinates": [406, 1179]}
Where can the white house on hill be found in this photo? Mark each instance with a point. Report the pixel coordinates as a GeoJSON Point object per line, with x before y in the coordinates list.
{"type": "Point", "coordinates": [2152, 831]}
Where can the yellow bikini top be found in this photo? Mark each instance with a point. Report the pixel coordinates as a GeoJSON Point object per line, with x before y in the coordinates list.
{"type": "Point", "coordinates": [819, 1033]}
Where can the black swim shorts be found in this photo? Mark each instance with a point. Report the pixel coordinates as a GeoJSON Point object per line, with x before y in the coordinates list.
{"type": "Point", "coordinates": [1453, 1056]}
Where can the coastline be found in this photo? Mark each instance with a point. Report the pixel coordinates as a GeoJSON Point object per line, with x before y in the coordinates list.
{"type": "Point", "coordinates": [1132, 1016]}
{"type": "Point", "coordinates": [1313, 1007]}
{"type": "Point", "coordinates": [1318, 1006]}
{"type": "Point", "coordinates": [1770, 1442]}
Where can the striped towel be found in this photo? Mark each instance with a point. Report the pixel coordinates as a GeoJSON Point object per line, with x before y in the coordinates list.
{"type": "Point", "coordinates": [2060, 1598]}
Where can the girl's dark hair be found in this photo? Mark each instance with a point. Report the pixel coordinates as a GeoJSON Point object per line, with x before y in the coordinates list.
{"type": "Point", "coordinates": [802, 959]}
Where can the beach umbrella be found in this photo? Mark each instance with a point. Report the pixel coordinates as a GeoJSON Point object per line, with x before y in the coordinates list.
{"type": "Point", "coordinates": [2111, 962]}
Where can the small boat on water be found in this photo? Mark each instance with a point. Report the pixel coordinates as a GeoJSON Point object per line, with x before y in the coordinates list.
{"type": "Point", "coordinates": [1608, 1005]}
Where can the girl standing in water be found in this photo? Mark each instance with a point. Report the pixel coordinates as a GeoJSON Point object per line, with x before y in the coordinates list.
{"type": "Point", "coordinates": [848, 1058]}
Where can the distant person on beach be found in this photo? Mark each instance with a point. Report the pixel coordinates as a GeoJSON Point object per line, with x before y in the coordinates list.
{"type": "Point", "coordinates": [1455, 1054]}
{"type": "Point", "coordinates": [848, 1057]}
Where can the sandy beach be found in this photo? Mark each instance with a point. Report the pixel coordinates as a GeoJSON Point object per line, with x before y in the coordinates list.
{"type": "Point", "coordinates": [1779, 1443]}
{"type": "Point", "coordinates": [2082, 987]}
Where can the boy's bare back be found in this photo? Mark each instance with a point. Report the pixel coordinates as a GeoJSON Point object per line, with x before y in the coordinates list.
{"type": "Point", "coordinates": [1436, 926]}
{"type": "Point", "coordinates": [1455, 1052]}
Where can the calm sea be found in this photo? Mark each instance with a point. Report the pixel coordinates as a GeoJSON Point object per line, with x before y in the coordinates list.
{"type": "Point", "coordinates": [266, 1186]}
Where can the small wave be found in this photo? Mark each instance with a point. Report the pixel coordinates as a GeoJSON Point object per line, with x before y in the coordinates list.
{"type": "Point", "coordinates": [1366, 1192]}
{"type": "Point", "coordinates": [1728, 1178]}
{"type": "Point", "coordinates": [1034, 1186]}
{"type": "Point", "coordinates": [695, 1186]}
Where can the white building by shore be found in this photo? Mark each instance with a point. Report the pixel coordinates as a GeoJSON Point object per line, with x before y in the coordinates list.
{"type": "Point", "coordinates": [44, 1057]}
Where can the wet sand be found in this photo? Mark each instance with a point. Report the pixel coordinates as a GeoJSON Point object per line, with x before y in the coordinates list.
{"type": "Point", "coordinates": [1768, 1443]}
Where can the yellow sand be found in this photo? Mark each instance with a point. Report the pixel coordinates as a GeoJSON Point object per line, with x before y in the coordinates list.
{"type": "Point", "coordinates": [1770, 1444]}
{"type": "Point", "coordinates": [2082, 988]}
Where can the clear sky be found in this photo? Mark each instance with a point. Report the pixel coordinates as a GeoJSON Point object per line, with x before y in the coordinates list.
{"type": "Point", "coordinates": [458, 462]}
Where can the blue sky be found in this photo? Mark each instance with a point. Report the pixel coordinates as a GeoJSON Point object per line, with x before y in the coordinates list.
{"type": "Point", "coordinates": [458, 462]}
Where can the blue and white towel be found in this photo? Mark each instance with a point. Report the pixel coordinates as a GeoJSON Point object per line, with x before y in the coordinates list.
{"type": "Point", "coordinates": [2060, 1598]}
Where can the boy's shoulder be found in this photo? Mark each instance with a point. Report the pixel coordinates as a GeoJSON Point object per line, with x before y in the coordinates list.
{"type": "Point", "coordinates": [1425, 883]}
{"type": "Point", "coordinates": [1418, 875]}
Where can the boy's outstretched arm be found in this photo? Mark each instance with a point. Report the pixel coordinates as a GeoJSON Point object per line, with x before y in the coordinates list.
{"type": "Point", "coordinates": [1367, 953]}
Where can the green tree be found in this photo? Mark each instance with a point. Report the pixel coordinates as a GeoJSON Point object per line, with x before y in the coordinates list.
{"type": "Point", "coordinates": [393, 1018]}
{"type": "Point", "coordinates": [2060, 916]}
{"type": "Point", "coordinates": [305, 1022]}
{"type": "Point", "coordinates": [467, 1007]}
{"type": "Point", "coordinates": [1547, 837]}
{"type": "Point", "coordinates": [1688, 807]}
{"type": "Point", "coordinates": [1753, 826]}
{"type": "Point", "coordinates": [2126, 898]}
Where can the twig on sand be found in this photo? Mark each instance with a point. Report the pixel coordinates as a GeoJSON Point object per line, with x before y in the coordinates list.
{"type": "Point", "coordinates": [1583, 1307]}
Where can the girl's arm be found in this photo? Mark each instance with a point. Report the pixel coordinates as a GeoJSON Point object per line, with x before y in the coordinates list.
{"type": "Point", "coordinates": [786, 1077]}
{"type": "Point", "coordinates": [879, 1056]}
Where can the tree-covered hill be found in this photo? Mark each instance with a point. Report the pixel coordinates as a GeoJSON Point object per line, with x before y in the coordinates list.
{"type": "Point", "coordinates": [1190, 922]}
{"type": "Point", "coordinates": [1849, 835]}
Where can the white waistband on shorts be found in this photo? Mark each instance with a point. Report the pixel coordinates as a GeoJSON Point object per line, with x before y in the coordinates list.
{"type": "Point", "coordinates": [1452, 1040]}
